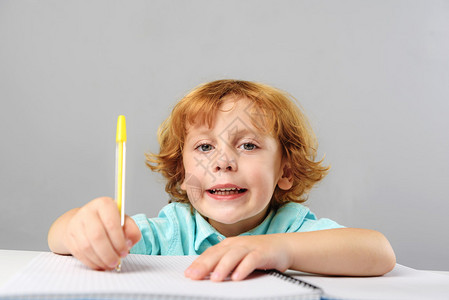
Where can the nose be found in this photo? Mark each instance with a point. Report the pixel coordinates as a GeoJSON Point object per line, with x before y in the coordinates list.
{"type": "Point", "coordinates": [225, 163]}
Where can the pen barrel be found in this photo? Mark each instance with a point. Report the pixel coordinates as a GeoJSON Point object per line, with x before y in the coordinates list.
{"type": "Point", "coordinates": [120, 167]}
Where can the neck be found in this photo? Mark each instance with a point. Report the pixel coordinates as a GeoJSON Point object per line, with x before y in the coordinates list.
{"type": "Point", "coordinates": [240, 227]}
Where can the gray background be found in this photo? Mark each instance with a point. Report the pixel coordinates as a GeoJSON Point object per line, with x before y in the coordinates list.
{"type": "Point", "coordinates": [373, 77]}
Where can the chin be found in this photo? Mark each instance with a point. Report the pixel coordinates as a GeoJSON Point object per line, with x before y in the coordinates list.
{"type": "Point", "coordinates": [227, 221]}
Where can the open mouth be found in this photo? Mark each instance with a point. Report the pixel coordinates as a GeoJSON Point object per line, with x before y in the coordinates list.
{"type": "Point", "coordinates": [226, 191]}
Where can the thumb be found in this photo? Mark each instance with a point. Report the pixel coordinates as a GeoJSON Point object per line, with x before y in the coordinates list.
{"type": "Point", "coordinates": [131, 230]}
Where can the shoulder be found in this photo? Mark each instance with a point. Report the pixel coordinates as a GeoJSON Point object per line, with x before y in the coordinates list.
{"type": "Point", "coordinates": [295, 217]}
{"type": "Point", "coordinates": [175, 209]}
{"type": "Point", "coordinates": [294, 211]}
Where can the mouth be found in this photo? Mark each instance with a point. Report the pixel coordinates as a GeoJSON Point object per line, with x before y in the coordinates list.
{"type": "Point", "coordinates": [226, 191]}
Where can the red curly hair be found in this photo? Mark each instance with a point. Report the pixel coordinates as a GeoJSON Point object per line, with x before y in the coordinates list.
{"type": "Point", "coordinates": [276, 113]}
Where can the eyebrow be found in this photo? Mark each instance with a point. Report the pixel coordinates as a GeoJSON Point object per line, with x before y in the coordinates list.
{"type": "Point", "coordinates": [238, 133]}
{"type": "Point", "coordinates": [233, 132]}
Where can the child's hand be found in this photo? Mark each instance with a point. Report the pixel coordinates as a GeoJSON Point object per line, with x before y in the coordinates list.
{"type": "Point", "coordinates": [241, 255]}
{"type": "Point", "coordinates": [95, 237]}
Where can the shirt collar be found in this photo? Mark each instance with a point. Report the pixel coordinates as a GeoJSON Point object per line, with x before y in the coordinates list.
{"type": "Point", "coordinates": [204, 230]}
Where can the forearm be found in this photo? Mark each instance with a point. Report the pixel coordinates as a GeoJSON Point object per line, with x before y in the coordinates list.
{"type": "Point", "coordinates": [345, 251]}
{"type": "Point", "coordinates": [57, 230]}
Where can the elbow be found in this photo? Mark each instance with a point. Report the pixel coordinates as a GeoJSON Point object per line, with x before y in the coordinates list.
{"type": "Point", "coordinates": [386, 264]}
{"type": "Point", "coordinates": [375, 256]}
{"type": "Point", "coordinates": [389, 259]}
{"type": "Point", "coordinates": [385, 258]}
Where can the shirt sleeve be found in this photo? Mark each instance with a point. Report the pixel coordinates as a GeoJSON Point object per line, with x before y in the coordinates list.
{"type": "Point", "coordinates": [148, 243]}
{"type": "Point", "coordinates": [295, 217]}
{"type": "Point", "coordinates": [159, 235]}
{"type": "Point", "coordinates": [163, 235]}
{"type": "Point", "coordinates": [311, 223]}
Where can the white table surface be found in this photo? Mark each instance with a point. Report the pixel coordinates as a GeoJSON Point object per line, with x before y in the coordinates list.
{"type": "Point", "coordinates": [12, 261]}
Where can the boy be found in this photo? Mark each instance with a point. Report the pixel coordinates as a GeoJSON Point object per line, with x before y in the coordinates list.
{"type": "Point", "coordinates": [239, 158]}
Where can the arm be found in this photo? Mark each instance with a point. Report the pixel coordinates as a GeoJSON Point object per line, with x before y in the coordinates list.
{"type": "Point", "coordinates": [345, 251]}
{"type": "Point", "coordinates": [93, 234]}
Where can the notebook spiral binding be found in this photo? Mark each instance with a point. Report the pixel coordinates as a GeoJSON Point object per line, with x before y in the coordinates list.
{"type": "Point", "coordinates": [286, 277]}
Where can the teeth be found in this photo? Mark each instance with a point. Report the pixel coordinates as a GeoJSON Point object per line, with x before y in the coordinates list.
{"type": "Point", "coordinates": [226, 191]}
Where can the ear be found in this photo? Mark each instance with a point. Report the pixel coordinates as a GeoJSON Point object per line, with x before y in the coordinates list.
{"type": "Point", "coordinates": [183, 185]}
{"type": "Point", "coordinates": [286, 180]}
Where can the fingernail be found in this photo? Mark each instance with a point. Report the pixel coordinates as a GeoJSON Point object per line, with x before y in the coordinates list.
{"type": "Point", "coordinates": [235, 276]}
{"type": "Point", "coordinates": [114, 264]}
{"type": "Point", "coordinates": [215, 276]}
{"type": "Point", "coordinates": [129, 244]}
{"type": "Point", "coordinates": [191, 272]}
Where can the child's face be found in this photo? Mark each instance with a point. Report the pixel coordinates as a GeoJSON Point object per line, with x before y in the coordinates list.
{"type": "Point", "coordinates": [232, 169]}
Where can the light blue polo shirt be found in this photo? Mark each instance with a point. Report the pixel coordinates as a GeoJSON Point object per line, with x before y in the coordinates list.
{"type": "Point", "coordinates": [176, 231]}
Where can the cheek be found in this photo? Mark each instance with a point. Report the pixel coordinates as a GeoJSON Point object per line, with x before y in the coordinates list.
{"type": "Point", "coordinates": [193, 176]}
{"type": "Point", "coordinates": [261, 174]}
{"type": "Point", "coordinates": [194, 194]}
{"type": "Point", "coordinates": [193, 162]}
{"type": "Point", "coordinates": [189, 164]}
{"type": "Point", "coordinates": [200, 166]}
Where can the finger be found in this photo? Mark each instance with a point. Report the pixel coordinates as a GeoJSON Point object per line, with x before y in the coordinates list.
{"type": "Point", "coordinates": [100, 242]}
{"type": "Point", "coordinates": [110, 217]}
{"type": "Point", "coordinates": [87, 256]}
{"type": "Point", "coordinates": [132, 232]}
{"type": "Point", "coordinates": [248, 264]}
{"type": "Point", "coordinates": [80, 248]}
{"type": "Point", "coordinates": [228, 262]}
{"type": "Point", "coordinates": [205, 263]}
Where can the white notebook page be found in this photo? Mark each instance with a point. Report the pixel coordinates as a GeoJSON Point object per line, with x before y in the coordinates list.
{"type": "Point", "coordinates": [142, 276]}
{"type": "Point", "coordinates": [402, 283]}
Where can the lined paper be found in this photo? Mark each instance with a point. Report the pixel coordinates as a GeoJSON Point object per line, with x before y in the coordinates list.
{"type": "Point", "coordinates": [143, 277]}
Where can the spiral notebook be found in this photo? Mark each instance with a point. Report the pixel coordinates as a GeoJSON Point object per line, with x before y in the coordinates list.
{"type": "Point", "coordinates": [51, 276]}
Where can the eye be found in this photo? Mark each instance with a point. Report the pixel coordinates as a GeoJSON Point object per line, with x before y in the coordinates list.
{"type": "Point", "coordinates": [248, 146]}
{"type": "Point", "coordinates": [205, 147]}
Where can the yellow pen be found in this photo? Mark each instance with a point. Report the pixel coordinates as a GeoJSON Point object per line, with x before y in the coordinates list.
{"type": "Point", "coordinates": [120, 163]}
